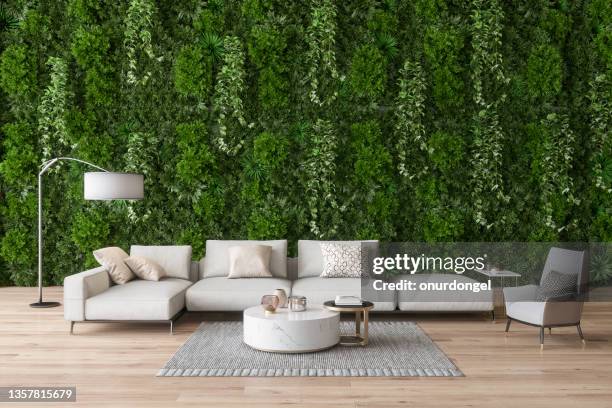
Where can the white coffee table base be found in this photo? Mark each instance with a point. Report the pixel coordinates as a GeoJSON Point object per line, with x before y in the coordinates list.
{"type": "Point", "coordinates": [284, 331]}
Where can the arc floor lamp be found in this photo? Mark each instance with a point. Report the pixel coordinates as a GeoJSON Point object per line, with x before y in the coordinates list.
{"type": "Point", "coordinates": [100, 185]}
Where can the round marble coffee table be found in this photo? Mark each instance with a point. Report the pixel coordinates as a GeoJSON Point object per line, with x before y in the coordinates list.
{"type": "Point", "coordinates": [291, 332]}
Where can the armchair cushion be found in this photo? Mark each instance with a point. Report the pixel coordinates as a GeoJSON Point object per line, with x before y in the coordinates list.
{"type": "Point", "coordinates": [528, 312]}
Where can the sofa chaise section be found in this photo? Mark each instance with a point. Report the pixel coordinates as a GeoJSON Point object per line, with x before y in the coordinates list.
{"type": "Point", "coordinates": [139, 300]}
{"type": "Point", "coordinates": [91, 296]}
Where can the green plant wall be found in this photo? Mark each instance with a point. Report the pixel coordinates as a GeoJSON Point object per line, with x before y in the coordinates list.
{"type": "Point", "coordinates": [420, 120]}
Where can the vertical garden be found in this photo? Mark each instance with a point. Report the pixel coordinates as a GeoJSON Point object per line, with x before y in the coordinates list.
{"type": "Point", "coordinates": [420, 120]}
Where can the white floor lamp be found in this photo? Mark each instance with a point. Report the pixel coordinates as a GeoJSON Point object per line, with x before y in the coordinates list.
{"type": "Point", "coordinates": [102, 185]}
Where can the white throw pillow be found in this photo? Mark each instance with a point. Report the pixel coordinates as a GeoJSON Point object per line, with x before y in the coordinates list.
{"type": "Point", "coordinates": [249, 261]}
{"type": "Point", "coordinates": [112, 258]}
{"type": "Point", "coordinates": [216, 261]}
{"type": "Point", "coordinates": [144, 268]}
{"type": "Point", "coordinates": [341, 261]}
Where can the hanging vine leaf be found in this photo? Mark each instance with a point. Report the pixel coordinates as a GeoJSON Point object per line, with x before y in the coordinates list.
{"type": "Point", "coordinates": [319, 171]}
{"type": "Point", "coordinates": [52, 110]}
{"type": "Point", "coordinates": [409, 115]}
{"type": "Point", "coordinates": [321, 57]}
{"type": "Point", "coordinates": [228, 98]}
{"type": "Point", "coordinates": [138, 44]}
{"type": "Point", "coordinates": [489, 80]}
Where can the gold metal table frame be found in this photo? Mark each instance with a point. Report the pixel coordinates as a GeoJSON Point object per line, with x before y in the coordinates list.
{"type": "Point", "coordinates": [361, 315]}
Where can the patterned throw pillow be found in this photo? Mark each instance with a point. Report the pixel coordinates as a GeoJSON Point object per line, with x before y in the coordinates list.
{"type": "Point", "coordinates": [341, 261]}
{"type": "Point", "coordinates": [557, 285]}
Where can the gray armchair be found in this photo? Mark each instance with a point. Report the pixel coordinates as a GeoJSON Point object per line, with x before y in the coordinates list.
{"type": "Point", "coordinates": [523, 306]}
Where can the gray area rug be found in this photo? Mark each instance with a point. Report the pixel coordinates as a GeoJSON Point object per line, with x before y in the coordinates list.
{"type": "Point", "coordinates": [395, 349]}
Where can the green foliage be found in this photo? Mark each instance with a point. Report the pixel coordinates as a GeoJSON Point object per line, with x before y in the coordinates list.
{"type": "Point", "coordinates": [447, 152]}
{"type": "Point", "coordinates": [89, 46]}
{"type": "Point", "coordinates": [544, 73]}
{"type": "Point", "coordinates": [266, 48]}
{"type": "Point", "coordinates": [487, 77]}
{"type": "Point", "coordinates": [409, 116]}
{"type": "Point", "coordinates": [368, 72]}
{"type": "Point", "coordinates": [322, 72]}
{"type": "Point", "coordinates": [52, 110]}
{"type": "Point", "coordinates": [373, 181]}
{"type": "Point", "coordinates": [600, 98]}
{"type": "Point", "coordinates": [268, 221]}
{"type": "Point", "coordinates": [90, 49]}
{"type": "Point", "coordinates": [442, 49]}
{"type": "Point", "coordinates": [8, 19]}
{"type": "Point", "coordinates": [138, 39]}
{"type": "Point", "coordinates": [90, 231]}
{"type": "Point", "coordinates": [319, 169]}
{"type": "Point", "coordinates": [195, 161]}
{"type": "Point", "coordinates": [228, 98]}
{"type": "Point", "coordinates": [421, 120]}
{"type": "Point", "coordinates": [270, 151]}
{"type": "Point", "coordinates": [18, 168]}
{"type": "Point", "coordinates": [551, 170]}
{"type": "Point", "coordinates": [193, 71]}
{"type": "Point", "coordinates": [17, 71]}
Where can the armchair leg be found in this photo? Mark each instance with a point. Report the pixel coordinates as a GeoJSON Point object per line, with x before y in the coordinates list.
{"type": "Point", "coordinates": [550, 330]}
{"type": "Point", "coordinates": [72, 327]}
{"type": "Point", "coordinates": [541, 338]}
{"type": "Point", "coordinates": [171, 327]}
{"type": "Point", "coordinates": [493, 315]}
{"type": "Point", "coordinates": [580, 332]}
{"type": "Point", "coordinates": [508, 321]}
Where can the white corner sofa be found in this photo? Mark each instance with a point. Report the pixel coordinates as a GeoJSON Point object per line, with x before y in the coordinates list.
{"type": "Point", "coordinates": [90, 296]}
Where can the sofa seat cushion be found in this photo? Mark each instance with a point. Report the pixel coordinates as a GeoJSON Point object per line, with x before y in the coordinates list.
{"type": "Point", "coordinates": [223, 294]}
{"type": "Point", "coordinates": [139, 300]}
{"type": "Point", "coordinates": [443, 301]}
{"type": "Point", "coordinates": [319, 290]}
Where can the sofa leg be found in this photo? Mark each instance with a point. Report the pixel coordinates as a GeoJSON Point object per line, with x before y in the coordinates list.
{"type": "Point", "coordinates": [508, 324]}
{"type": "Point", "coordinates": [171, 327]}
{"type": "Point", "coordinates": [493, 315]}
{"type": "Point", "coordinates": [550, 331]}
{"type": "Point", "coordinates": [580, 333]}
{"type": "Point", "coordinates": [541, 338]}
{"type": "Point", "coordinates": [72, 327]}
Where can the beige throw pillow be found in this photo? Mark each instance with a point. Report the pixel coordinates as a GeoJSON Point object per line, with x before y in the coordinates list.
{"type": "Point", "coordinates": [249, 261]}
{"type": "Point", "coordinates": [145, 268]}
{"type": "Point", "coordinates": [112, 258]}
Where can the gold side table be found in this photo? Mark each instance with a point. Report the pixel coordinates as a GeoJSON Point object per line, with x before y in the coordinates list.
{"type": "Point", "coordinates": [361, 314]}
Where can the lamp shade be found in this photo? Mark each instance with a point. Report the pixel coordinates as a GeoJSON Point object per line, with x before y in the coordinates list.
{"type": "Point", "coordinates": [113, 186]}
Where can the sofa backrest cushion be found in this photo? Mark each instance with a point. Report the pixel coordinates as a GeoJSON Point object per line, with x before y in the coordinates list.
{"type": "Point", "coordinates": [175, 259]}
{"type": "Point", "coordinates": [310, 257]}
{"type": "Point", "coordinates": [216, 262]}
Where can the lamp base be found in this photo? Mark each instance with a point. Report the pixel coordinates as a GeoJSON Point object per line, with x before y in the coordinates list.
{"type": "Point", "coordinates": [44, 304]}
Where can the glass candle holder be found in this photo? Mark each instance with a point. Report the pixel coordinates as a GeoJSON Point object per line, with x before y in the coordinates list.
{"type": "Point", "coordinates": [269, 303]}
